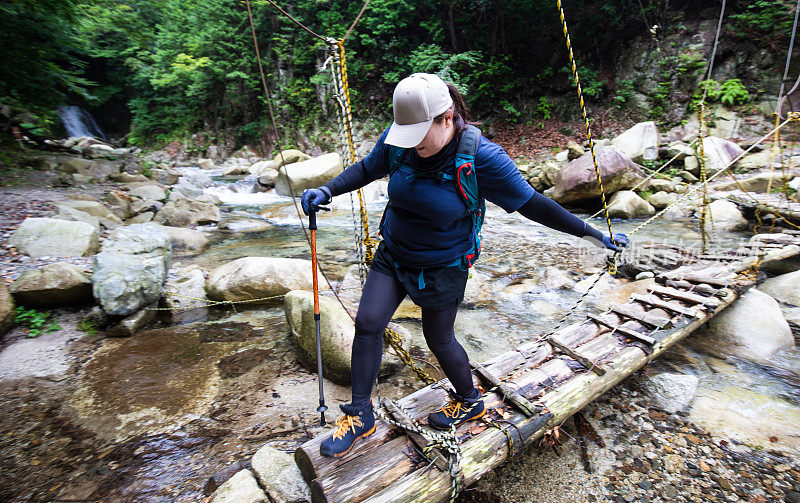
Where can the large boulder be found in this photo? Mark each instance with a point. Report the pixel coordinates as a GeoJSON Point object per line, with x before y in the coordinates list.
{"type": "Point", "coordinates": [251, 278]}
{"type": "Point", "coordinates": [723, 215]}
{"type": "Point", "coordinates": [692, 165]}
{"type": "Point", "coordinates": [758, 160]}
{"type": "Point", "coordinates": [641, 138]}
{"type": "Point", "coordinates": [150, 191]}
{"type": "Point", "coordinates": [679, 150]}
{"type": "Point", "coordinates": [280, 476]}
{"type": "Point", "coordinates": [186, 213]}
{"type": "Point", "coordinates": [719, 153]}
{"type": "Point", "coordinates": [758, 182]}
{"type": "Point", "coordinates": [206, 163]}
{"type": "Point", "coordinates": [661, 200]}
{"type": "Point", "coordinates": [753, 327]}
{"type": "Point", "coordinates": [574, 150]}
{"type": "Point", "coordinates": [51, 237]}
{"type": "Point", "coordinates": [67, 212]}
{"type": "Point", "coordinates": [337, 331]}
{"type": "Point", "coordinates": [120, 204]}
{"type": "Point", "coordinates": [289, 156]}
{"type": "Point", "coordinates": [75, 165]}
{"type": "Point", "coordinates": [126, 177]}
{"type": "Point", "coordinates": [268, 177]}
{"type": "Point", "coordinates": [626, 204]}
{"type": "Point", "coordinates": [130, 270]}
{"type": "Point", "coordinates": [184, 240]}
{"type": "Point", "coordinates": [165, 175]}
{"type": "Point", "coordinates": [185, 289]}
{"type": "Point", "coordinates": [6, 310]}
{"type": "Point", "coordinates": [784, 288]}
{"type": "Point", "coordinates": [241, 488]}
{"type": "Point", "coordinates": [672, 392]}
{"type": "Point", "coordinates": [307, 174]}
{"type": "Point", "coordinates": [660, 184]}
{"type": "Point", "coordinates": [261, 167]}
{"type": "Point", "coordinates": [54, 285]}
{"type": "Point", "coordinates": [106, 218]}
{"type": "Point", "coordinates": [578, 180]}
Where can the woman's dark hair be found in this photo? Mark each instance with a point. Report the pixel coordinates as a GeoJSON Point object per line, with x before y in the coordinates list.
{"type": "Point", "coordinates": [459, 108]}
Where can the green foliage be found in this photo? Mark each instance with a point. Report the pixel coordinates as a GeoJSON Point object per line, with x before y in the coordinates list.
{"type": "Point", "coordinates": [88, 326]}
{"type": "Point", "coordinates": [41, 63]}
{"type": "Point", "coordinates": [624, 92]}
{"type": "Point", "coordinates": [513, 113]}
{"type": "Point", "coordinates": [591, 84]}
{"type": "Point", "coordinates": [36, 322]}
{"type": "Point", "coordinates": [769, 21]}
{"type": "Point", "coordinates": [183, 66]}
{"type": "Point", "coordinates": [731, 92]}
{"type": "Point", "coordinates": [690, 63]}
{"type": "Point", "coordinates": [544, 109]}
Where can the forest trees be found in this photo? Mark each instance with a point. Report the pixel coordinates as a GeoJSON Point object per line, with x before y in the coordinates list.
{"type": "Point", "coordinates": [175, 67]}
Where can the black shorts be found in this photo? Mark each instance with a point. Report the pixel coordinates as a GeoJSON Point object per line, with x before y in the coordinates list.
{"type": "Point", "coordinates": [435, 288]}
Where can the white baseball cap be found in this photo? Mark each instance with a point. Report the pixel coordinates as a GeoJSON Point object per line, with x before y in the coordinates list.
{"type": "Point", "coordinates": [417, 100]}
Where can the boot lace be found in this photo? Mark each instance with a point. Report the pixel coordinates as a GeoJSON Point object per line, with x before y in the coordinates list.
{"type": "Point", "coordinates": [345, 424]}
{"type": "Point", "coordinates": [453, 409]}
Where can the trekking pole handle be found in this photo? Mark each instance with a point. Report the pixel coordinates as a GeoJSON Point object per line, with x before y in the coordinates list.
{"type": "Point", "coordinates": [312, 217]}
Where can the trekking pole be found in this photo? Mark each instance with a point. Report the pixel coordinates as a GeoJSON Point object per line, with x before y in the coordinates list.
{"type": "Point", "coordinates": [312, 226]}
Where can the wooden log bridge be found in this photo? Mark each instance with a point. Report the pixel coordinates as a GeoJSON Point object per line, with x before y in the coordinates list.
{"type": "Point", "coordinates": [532, 389]}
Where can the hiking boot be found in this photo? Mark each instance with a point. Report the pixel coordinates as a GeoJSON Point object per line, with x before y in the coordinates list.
{"type": "Point", "coordinates": [353, 425]}
{"type": "Point", "coordinates": [457, 411]}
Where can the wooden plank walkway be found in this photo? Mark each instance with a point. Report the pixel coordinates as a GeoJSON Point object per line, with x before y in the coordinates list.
{"type": "Point", "coordinates": [543, 383]}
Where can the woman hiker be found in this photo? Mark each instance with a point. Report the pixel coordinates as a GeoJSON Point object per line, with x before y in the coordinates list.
{"type": "Point", "coordinates": [430, 238]}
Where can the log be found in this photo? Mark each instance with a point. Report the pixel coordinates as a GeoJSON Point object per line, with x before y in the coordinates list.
{"type": "Point", "coordinates": [365, 475]}
{"type": "Point", "coordinates": [701, 278]}
{"type": "Point", "coordinates": [687, 296]}
{"type": "Point", "coordinates": [642, 316]}
{"type": "Point", "coordinates": [573, 353]}
{"type": "Point", "coordinates": [631, 334]}
{"type": "Point", "coordinates": [554, 382]}
{"type": "Point", "coordinates": [681, 284]}
{"type": "Point", "coordinates": [669, 306]}
{"type": "Point", "coordinates": [435, 456]}
{"type": "Point", "coordinates": [489, 448]}
{"type": "Point", "coordinates": [509, 394]}
{"type": "Point", "coordinates": [313, 465]}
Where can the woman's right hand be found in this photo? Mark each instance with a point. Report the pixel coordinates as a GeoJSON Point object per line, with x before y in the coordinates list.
{"type": "Point", "coordinates": [312, 199]}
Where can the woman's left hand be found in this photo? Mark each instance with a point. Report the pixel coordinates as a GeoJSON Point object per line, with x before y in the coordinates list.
{"type": "Point", "coordinates": [620, 241]}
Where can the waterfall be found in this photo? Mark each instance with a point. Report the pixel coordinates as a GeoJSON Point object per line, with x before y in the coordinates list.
{"type": "Point", "coordinates": [78, 122]}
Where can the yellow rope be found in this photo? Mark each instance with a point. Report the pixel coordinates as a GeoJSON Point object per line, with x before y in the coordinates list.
{"type": "Point", "coordinates": [702, 133]}
{"type": "Point", "coordinates": [369, 242]}
{"type": "Point", "coordinates": [585, 116]}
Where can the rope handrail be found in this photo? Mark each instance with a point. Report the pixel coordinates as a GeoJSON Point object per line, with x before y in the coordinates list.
{"type": "Point", "coordinates": [582, 104]}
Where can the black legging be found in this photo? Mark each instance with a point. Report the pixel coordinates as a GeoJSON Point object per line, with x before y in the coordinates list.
{"type": "Point", "coordinates": [379, 300]}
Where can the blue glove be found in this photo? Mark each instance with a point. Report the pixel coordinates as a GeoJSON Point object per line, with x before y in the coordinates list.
{"type": "Point", "coordinates": [620, 239]}
{"type": "Point", "coordinates": [312, 199]}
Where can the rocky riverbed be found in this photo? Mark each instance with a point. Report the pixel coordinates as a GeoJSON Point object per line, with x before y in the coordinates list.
{"type": "Point", "coordinates": [197, 385]}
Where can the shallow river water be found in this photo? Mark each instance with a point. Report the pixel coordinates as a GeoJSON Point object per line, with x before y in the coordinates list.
{"type": "Point", "coordinates": [154, 416]}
